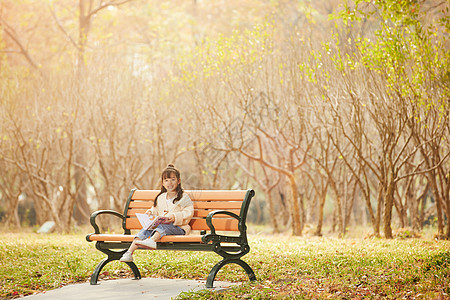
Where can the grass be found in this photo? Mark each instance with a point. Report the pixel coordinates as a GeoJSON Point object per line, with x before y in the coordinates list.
{"type": "Point", "coordinates": [286, 267]}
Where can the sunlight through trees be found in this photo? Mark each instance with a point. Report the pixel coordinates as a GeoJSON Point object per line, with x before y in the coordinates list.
{"type": "Point", "coordinates": [335, 112]}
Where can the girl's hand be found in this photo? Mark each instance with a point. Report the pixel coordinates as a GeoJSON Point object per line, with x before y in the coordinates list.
{"type": "Point", "coordinates": [171, 218]}
{"type": "Point", "coordinates": [148, 212]}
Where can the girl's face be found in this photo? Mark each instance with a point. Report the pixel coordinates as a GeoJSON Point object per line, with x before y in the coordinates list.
{"type": "Point", "coordinates": [171, 183]}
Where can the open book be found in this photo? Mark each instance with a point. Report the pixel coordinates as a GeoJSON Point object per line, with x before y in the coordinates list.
{"type": "Point", "coordinates": [151, 222]}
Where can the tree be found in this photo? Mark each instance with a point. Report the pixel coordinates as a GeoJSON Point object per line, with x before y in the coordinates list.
{"type": "Point", "coordinates": [390, 57]}
{"type": "Point", "coordinates": [267, 185]}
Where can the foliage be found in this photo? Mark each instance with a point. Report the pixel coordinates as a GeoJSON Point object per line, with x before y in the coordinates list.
{"type": "Point", "coordinates": [286, 267]}
{"type": "Point", "coordinates": [393, 57]}
{"type": "Point", "coordinates": [408, 47]}
{"type": "Point", "coordinates": [96, 99]}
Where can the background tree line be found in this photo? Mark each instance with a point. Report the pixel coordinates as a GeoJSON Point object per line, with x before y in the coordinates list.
{"type": "Point", "coordinates": [337, 113]}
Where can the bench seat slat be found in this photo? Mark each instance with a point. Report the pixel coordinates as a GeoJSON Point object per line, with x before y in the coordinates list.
{"type": "Point", "coordinates": [196, 224]}
{"type": "Point", "coordinates": [129, 238]}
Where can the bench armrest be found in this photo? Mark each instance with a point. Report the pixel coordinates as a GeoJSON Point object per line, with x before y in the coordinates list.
{"type": "Point", "coordinates": [217, 212]}
{"type": "Point", "coordinates": [100, 212]}
{"type": "Point", "coordinates": [221, 238]}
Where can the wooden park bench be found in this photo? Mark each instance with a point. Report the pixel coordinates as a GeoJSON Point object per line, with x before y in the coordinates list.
{"type": "Point", "coordinates": [218, 225]}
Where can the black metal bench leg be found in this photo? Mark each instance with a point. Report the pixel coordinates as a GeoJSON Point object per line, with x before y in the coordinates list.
{"type": "Point", "coordinates": [94, 276]}
{"type": "Point", "coordinates": [134, 268]}
{"type": "Point", "coordinates": [98, 269]}
{"type": "Point", "coordinates": [219, 265]}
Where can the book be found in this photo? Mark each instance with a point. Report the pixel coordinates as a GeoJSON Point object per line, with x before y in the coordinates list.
{"type": "Point", "coordinates": [151, 222]}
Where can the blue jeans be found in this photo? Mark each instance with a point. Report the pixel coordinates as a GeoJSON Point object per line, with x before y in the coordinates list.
{"type": "Point", "coordinates": [163, 229]}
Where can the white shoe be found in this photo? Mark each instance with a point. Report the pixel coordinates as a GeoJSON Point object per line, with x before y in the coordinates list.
{"type": "Point", "coordinates": [126, 257]}
{"type": "Point", "coordinates": [148, 243]}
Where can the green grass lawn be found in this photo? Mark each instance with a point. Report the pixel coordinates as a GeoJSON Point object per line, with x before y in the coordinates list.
{"type": "Point", "coordinates": [286, 267]}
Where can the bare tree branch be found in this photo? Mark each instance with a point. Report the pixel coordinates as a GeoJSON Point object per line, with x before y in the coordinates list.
{"type": "Point", "coordinates": [61, 27]}
{"type": "Point", "coordinates": [13, 35]}
{"type": "Point", "coordinates": [103, 6]}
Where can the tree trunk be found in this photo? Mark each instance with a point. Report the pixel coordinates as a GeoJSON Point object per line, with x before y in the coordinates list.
{"type": "Point", "coordinates": [258, 212]}
{"type": "Point", "coordinates": [12, 218]}
{"type": "Point", "coordinates": [373, 218]}
{"type": "Point", "coordinates": [437, 198]}
{"type": "Point", "coordinates": [447, 201]}
{"type": "Point", "coordinates": [338, 208]}
{"type": "Point", "coordinates": [296, 214]}
{"type": "Point", "coordinates": [401, 212]}
{"type": "Point", "coordinates": [349, 208]}
{"type": "Point", "coordinates": [81, 208]}
{"type": "Point", "coordinates": [409, 200]}
{"type": "Point", "coordinates": [320, 221]}
{"type": "Point", "coordinates": [414, 211]}
{"type": "Point", "coordinates": [272, 213]}
{"type": "Point", "coordinates": [380, 202]}
{"type": "Point", "coordinates": [388, 204]}
{"type": "Point", "coordinates": [445, 192]}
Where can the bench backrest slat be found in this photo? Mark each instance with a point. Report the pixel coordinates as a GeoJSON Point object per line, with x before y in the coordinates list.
{"type": "Point", "coordinates": [198, 213]}
{"type": "Point", "coordinates": [200, 195]}
{"type": "Point", "coordinates": [204, 203]}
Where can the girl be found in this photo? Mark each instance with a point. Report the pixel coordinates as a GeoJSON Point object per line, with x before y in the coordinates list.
{"type": "Point", "coordinates": [170, 202]}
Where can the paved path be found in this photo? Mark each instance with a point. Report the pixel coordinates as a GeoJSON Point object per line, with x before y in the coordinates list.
{"type": "Point", "coordinates": [122, 289]}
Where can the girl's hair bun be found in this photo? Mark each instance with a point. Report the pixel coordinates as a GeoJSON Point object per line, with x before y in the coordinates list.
{"type": "Point", "coordinates": [170, 166]}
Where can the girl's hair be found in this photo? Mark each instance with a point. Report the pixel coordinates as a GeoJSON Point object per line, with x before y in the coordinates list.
{"type": "Point", "coordinates": [169, 170]}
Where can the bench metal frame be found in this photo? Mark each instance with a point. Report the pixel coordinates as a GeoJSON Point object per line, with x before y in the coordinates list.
{"type": "Point", "coordinates": [231, 254]}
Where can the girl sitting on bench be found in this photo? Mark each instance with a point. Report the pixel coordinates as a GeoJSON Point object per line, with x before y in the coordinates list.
{"type": "Point", "coordinates": [172, 203]}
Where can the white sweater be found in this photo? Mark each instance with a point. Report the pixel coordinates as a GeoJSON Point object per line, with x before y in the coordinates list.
{"type": "Point", "coordinates": [183, 210]}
